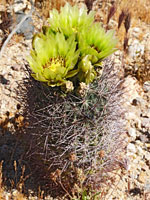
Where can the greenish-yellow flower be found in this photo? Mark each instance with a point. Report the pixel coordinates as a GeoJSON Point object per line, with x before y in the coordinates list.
{"type": "Point", "coordinates": [53, 58]}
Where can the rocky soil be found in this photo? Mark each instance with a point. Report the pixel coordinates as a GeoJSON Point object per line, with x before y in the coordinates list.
{"type": "Point", "coordinates": [132, 181]}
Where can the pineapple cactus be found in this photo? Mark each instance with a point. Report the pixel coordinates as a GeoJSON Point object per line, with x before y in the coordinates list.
{"type": "Point", "coordinates": [68, 131]}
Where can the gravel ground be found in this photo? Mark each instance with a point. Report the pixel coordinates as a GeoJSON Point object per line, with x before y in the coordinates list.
{"type": "Point", "coordinates": [133, 182]}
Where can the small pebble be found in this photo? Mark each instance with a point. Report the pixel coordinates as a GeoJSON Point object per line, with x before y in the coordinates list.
{"type": "Point", "coordinates": [132, 132]}
{"type": "Point", "coordinates": [131, 148]}
{"type": "Point", "coordinates": [146, 86]}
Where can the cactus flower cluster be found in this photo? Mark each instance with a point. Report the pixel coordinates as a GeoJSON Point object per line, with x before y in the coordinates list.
{"type": "Point", "coordinates": [70, 49]}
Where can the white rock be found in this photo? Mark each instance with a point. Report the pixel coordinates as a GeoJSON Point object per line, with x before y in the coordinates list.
{"type": "Point", "coordinates": [132, 132]}
{"type": "Point", "coordinates": [135, 162]}
{"type": "Point", "coordinates": [146, 86]}
{"type": "Point", "coordinates": [136, 32]}
{"type": "Point", "coordinates": [133, 175]}
{"type": "Point", "coordinates": [130, 116]}
{"type": "Point", "coordinates": [131, 148]}
{"type": "Point", "coordinates": [136, 49]}
{"type": "Point", "coordinates": [140, 150]}
{"type": "Point", "coordinates": [139, 143]}
{"type": "Point", "coordinates": [147, 155]}
{"type": "Point", "coordinates": [19, 5]}
{"type": "Point", "coordinates": [117, 53]}
{"type": "Point", "coordinates": [136, 29]}
{"type": "Point", "coordinates": [117, 61]}
{"type": "Point", "coordinates": [147, 186]}
{"type": "Point", "coordinates": [146, 122]}
{"type": "Point", "coordinates": [142, 177]}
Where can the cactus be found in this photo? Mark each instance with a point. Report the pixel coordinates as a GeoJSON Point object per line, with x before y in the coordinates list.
{"type": "Point", "coordinates": [69, 131]}
{"type": "Point", "coordinates": [74, 129]}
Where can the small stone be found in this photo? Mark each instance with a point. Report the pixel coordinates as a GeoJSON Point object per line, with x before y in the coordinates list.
{"type": "Point", "coordinates": [117, 53]}
{"type": "Point", "coordinates": [136, 29]}
{"type": "Point", "coordinates": [136, 49]}
{"type": "Point", "coordinates": [19, 5]}
{"type": "Point", "coordinates": [141, 164]}
{"type": "Point", "coordinates": [117, 61]}
{"type": "Point", "coordinates": [7, 92]}
{"type": "Point", "coordinates": [139, 143]}
{"type": "Point", "coordinates": [133, 119]}
{"type": "Point", "coordinates": [135, 162]}
{"type": "Point", "coordinates": [131, 148]}
{"type": "Point", "coordinates": [142, 177]}
{"type": "Point", "coordinates": [132, 132]}
{"type": "Point", "coordinates": [147, 145]}
{"type": "Point", "coordinates": [140, 150]}
{"type": "Point", "coordinates": [143, 138]}
{"type": "Point", "coordinates": [133, 174]}
{"type": "Point", "coordinates": [147, 156]}
{"type": "Point", "coordinates": [146, 86]}
{"type": "Point", "coordinates": [147, 186]}
{"type": "Point", "coordinates": [27, 28]}
{"type": "Point", "coordinates": [145, 123]}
